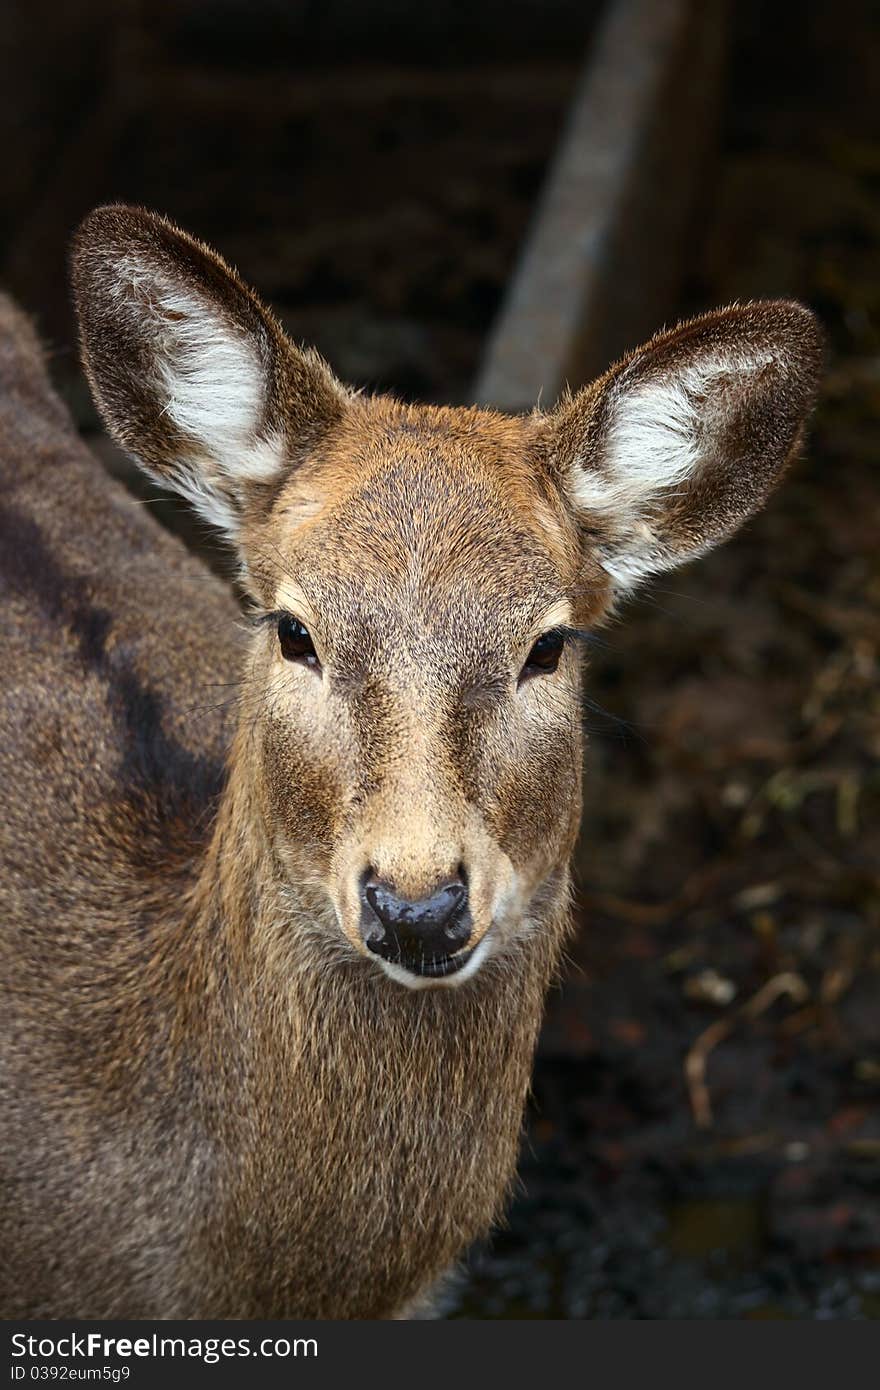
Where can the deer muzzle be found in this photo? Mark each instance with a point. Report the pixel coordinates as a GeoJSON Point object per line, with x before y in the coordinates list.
{"type": "Point", "coordinates": [426, 936]}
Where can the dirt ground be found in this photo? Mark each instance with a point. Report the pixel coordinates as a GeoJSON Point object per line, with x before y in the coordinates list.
{"type": "Point", "coordinates": [705, 1134]}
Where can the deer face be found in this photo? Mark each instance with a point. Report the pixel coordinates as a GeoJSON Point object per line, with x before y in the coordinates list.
{"type": "Point", "coordinates": [422, 578]}
{"type": "Point", "coordinates": [419, 734]}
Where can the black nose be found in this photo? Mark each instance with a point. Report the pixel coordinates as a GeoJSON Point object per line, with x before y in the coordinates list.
{"type": "Point", "coordinates": [421, 935]}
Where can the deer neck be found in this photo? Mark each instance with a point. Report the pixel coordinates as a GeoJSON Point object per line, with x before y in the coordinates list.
{"type": "Point", "coordinates": [362, 1110]}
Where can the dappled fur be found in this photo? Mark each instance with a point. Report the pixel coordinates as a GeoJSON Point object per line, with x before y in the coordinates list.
{"type": "Point", "coordinates": [214, 1103]}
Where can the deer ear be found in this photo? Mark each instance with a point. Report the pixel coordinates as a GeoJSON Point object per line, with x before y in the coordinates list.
{"type": "Point", "coordinates": [191, 372]}
{"type": "Point", "coordinates": [677, 444]}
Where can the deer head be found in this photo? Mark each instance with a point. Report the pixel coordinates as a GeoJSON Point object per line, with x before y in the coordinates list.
{"type": "Point", "coordinates": [421, 578]}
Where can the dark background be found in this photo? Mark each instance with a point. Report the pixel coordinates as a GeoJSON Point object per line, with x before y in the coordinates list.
{"type": "Point", "coordinates": [372, 168]}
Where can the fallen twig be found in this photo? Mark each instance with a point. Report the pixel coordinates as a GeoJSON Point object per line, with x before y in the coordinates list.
{"type": "Point", "coordinates": [786, 983]}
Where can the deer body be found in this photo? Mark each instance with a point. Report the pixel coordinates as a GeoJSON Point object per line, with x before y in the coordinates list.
{"type": "Point", "coordinates": [202, 1122]}
{"type": "Point", "coordinates": [239, 1077]}
{"type": "Point", "coordinates": [174, 1121]}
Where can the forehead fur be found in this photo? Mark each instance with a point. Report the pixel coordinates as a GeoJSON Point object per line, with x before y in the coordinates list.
{"type": "Point", "coordinates": [433, 500]}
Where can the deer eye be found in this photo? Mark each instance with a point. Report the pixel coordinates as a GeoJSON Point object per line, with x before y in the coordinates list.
{"type": "Point", "coordinates": [544, 656]}
{"type": "Point", "coordinates": [296, 643]}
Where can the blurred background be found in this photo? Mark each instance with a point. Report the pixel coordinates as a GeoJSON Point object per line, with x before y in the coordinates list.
{"type": "Point", "coordinates": [481, 201]}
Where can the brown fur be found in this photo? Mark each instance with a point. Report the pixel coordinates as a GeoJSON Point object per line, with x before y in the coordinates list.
{"type": "Point", "coordinates": [214, 1102]}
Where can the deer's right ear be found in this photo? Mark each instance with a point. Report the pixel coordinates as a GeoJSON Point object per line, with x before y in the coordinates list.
{"type": "Point", "coordinates": [191, 373]}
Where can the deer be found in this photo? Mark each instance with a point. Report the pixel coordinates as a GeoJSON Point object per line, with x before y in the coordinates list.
{"type": "Point", "coordinates": [284, 887]}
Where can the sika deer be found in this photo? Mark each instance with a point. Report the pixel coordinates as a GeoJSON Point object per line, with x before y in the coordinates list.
{"type": "Point", "coordinates": [272, 980]}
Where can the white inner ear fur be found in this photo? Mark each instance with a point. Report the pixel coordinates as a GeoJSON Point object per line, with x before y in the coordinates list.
{"type": "Point", "coordinates": [656, 440]}
{"type": "Point", "coordinates": [211, 382]}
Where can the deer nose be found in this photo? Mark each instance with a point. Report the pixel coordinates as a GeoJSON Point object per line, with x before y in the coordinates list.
{"type": "Point", "coordinates": [420, 934]}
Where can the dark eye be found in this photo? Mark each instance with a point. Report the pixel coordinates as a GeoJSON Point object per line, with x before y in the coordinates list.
{"type": "Point", "coordinates": [296, 643]}
{"type": "Point", "coordinates": [544, 656]}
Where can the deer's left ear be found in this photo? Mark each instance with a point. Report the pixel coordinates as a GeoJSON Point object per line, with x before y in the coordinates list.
{"type": "Point", "coordinates": [677, 444]}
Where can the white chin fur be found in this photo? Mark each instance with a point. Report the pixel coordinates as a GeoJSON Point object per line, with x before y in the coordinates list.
{"type": "Point", "coordinates": [406, 977]}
